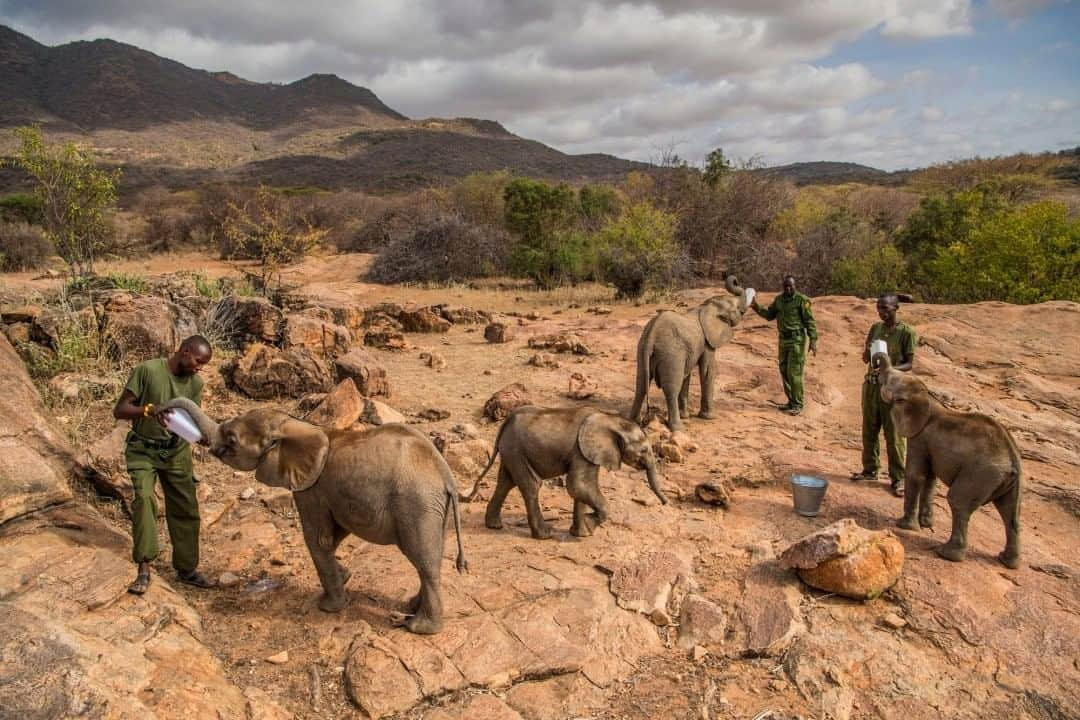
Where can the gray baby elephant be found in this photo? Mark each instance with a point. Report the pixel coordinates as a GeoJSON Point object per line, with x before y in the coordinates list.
{"type": "Point", "coordinates": [540, 443]}
{"type": "Point", "coordinates": [388, 485]}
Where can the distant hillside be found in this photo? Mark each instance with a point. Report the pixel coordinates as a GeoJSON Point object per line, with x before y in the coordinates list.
{"type": "Point", "coordinates": [166, 123]}
{"type": "Point", "coordinates": [826, 173]}
{"type": "Point", "coordinates": [106, 84]}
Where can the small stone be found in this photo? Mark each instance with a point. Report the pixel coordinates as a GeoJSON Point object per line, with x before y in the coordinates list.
{"type": "Point", "coordinates": [581, 387]}
{"type": "Point", "coordinates": [433, 414]}
{"type": "Point", "coordinates": [544, 360]}
{"type": "Point", "coordinates": [466, 431]}
{"type": "Point", "coordinates": [599, 310]}
{"type": "Point", "coordinates": [498, 332]}
{"type": "Point", "coordinates": [893, 621]}
{"type": "Point", "coordinates": [280, 659]}
{"type": "Point", "coordinates": [699, 653]}
{"type": "Point", "coordinates": [684, 441]}
{"type": "Point", "coordinates": [718, 493]}
{"type": "Point", "coordinates": [228, 579]}
{"type": "Point", "coordinates": [247, 493]}
{"type": "Point", "coordinates": [671, 452]}
{"type": "Point", "coordinates": [660, 617]}
{"type": "Point", "coordinates": [435, 361]}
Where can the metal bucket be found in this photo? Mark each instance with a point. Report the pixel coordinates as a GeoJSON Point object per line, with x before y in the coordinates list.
{"type": "Point", "coordinates": [807, 492]}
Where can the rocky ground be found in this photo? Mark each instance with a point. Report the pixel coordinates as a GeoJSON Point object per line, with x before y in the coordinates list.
{"type": "Point", "coordinates": [681, 610]}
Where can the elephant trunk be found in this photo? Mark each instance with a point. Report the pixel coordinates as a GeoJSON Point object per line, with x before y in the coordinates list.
{"type": "Point", "coordinates": [654, 482]}
{"type": "Point", "coordinates": [206, 425]}
{"type": "Point", "coordinates": [732, 284]}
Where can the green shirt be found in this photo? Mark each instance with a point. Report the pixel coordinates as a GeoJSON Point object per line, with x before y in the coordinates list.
{"type": "Point", "coordinates": [901, 343]}
{"type": "Point", "coordinates": [793, 316]}
{"type": "Point", "coordinates": [151, 382]}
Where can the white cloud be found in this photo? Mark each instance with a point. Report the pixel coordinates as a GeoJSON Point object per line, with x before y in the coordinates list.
{"type": "Point", "coordinates": [921, 19]}
{"type": "Point", "coordinates": [1018, 9]}
{"type": "Point", "coordinates": [931, 114]}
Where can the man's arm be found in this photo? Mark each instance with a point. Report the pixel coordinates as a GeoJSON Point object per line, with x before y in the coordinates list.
{"type": "Point", "coordinates": [768, 313]}
{"type": "Point", "coordinates": [866, 345]}
{"type": "Point", "coordinates": [127, 407]}
{"type": "Point", "coordinates": [810, 325]}
{"type": "Point", "coordinates": [907, 351]}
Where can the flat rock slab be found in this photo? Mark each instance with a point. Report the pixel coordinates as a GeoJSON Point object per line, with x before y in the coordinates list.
{"type": "Point", "coordinates": [564, 632]}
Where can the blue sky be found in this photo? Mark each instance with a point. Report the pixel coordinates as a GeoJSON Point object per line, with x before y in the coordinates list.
{"type": "Point", "coordinates": [889, 83]}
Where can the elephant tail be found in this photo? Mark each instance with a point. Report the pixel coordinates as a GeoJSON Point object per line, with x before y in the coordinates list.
{"type": "Point", "coordinates": [461, 564]}
{"type": "Point", "coordinates": [644, 371]}
{"type": "Point", "coordinates": [476, 485]}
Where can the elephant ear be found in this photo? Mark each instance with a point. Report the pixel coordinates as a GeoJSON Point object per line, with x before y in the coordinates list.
{"type": "Point", "coordinates": [717, 317]}
{"type": "Point", "coordinates": [599, 438]}
{"type": "Point", "coordinates": [910, 404]}
{"type": "Point", "coordinates": [296, 456]}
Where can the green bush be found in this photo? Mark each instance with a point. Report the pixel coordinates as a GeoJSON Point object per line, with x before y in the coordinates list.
{"type": "Point", "coordinates": [128, 281]}
{"type": "Point", "coordinates": [637, 250]}
{"type": "Point", "coordinates": [541, 219]}
{"type": "Point", "coordinates": [868, 275]}
{"type": "Point", "coordinates": [480, 197]}
{"type": "Point", "coordinates": [26, 207]}
{"type": "Point", "coordinates": [22, 247]}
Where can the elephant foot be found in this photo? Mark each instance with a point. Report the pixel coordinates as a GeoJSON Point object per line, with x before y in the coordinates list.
{"type": "Point", "coordinates": [582, 530]}
{"type": "Point", "coordinates": [951, 552]}
{"type": "Point", "coordinates": [707, 415]}
{"type": "Point", "coordinates": [493, 523]}
{"type": "Point", "coordinates": [907, 523]}
{"type": "Point", "coordinates": [333, 603]}
{"type": "Point", "coordinates": [542, 534]}
{"type": "Point", "coordinates": [412, 606]}
{"type": "Point", "coordinates": [424, 625]}
{"type": "Point", "coordinates": [1009, 560]}
{"type": "Point", "coordinates": [926, 522]}
{"type": "Point", "coordinates": [676, 426]}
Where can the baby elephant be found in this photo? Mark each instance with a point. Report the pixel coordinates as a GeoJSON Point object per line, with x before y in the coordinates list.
{"type": "Point", "coordinates": [388, 485]}
{"type": "Point", "coordinates": [971, 453]}
{"type": "Point", "coordinates": [539, 443]}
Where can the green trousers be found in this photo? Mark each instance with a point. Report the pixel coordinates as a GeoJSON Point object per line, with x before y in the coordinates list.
{"type": "Point", "coordinates": [792, 363]}
{"type": "Point", "coordinates": [875, 418]}
{"type": "Point", "coordinates": [172, 466]}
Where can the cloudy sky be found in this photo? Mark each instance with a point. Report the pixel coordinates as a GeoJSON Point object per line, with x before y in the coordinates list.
{"type": "Point", "coordinates": [889, 83]}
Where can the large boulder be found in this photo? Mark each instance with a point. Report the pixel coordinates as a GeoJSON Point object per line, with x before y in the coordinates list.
{"type": "Point", "coordinates": [339, 409]}
{"type": "Point", "coordinates": [140, 327]}
{"type": "Point", "coordinates": [360, 366]}
{"type": "Point", "coordinates": [560, 343]}
{"type": "Point", "coordinates": [846, 559]}
{"type": "Point", "coordinates": [34, 457]}
{"type": "Point", "coordinates": [498, 332]}
{"type": "Point", "coordinates": [241, 320]}
{"type": "Point", "coordinates": [460, 315]}
{"type": "Point", "coordinates": [423, 320]}
{"type": "Point", "coordinates": [315, 335]}
{"type": "Point", "coordinates": [505, 401]}
{"type": "Point", "coordinates": [265, 372]}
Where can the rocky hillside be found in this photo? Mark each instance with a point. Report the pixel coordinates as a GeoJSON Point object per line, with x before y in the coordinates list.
{"type": "Point", "coordinates": [684, 610]}
{"type": "Point", "coordinates": [165, 123]}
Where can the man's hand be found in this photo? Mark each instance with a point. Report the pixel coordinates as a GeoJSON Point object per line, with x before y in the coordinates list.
{"type": "Point", "coordinates": [753, 303]}
{"type": "Point", "coordinates": [813, 349]}
{"type": "Point", "coordinates": [162, 415]}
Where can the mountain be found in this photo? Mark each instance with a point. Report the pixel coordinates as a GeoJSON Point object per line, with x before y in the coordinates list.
{"type": "Point", "coordinates": [827, 173]}
{"type": "Point", "coordinates": [165, 123]}
{"type": "Point", "coordinates": [107, 84]}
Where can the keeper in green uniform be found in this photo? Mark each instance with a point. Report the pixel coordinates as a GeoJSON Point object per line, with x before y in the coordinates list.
{"type": "Point", "coordinates": [153, 453]}
{"type": "Point", "coordinates": [794, 322]}
{"type": "Point", "coordinates": [900, 339]}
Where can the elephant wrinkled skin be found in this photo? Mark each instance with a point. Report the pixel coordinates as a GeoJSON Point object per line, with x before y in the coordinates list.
{"type": "Point", "coordinates": [673, 344]}
{"type": "Point", "coordinates": [540, 443]}
{"type": "Point", "coordinates": [388, 485]}
{"type": "Point", "coordinates": [971, 453]}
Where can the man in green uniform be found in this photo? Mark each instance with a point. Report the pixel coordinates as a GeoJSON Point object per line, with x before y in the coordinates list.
{"type": "Point", "coordinates": [153, 453]}
{"type": "Point", "coordinates": [795, 322]}
{"type": "Point", "coordinates": [900, 339]}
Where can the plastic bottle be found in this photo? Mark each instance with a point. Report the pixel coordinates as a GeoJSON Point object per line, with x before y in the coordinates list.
{"type": "Point", "coordinates": [750, 296]}
{"type": "Point", "coordinates": [180, 423]}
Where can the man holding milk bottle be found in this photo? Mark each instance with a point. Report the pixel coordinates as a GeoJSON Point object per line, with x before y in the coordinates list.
{"type": "Point", "coordinates": [794, 323]}
{"type": "Point", "coordinates": [897, 340]}
{"type": "Point", "coordinates": [153, 452]}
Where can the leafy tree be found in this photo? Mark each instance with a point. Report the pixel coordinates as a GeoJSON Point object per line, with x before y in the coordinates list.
{"type": "Point", "coordinates": [637, 250]}
{"type": "Point", "coordinates": [479, 197]}
{"type": "Point", "coordinates": [598, 204]}
{"type": "Point", "coordinates": [870, 274]}
{"type": "Point", "coordinates": [716, 167]}
{"type": "Point", "coordinates": [75, 197]}
{"type": "Point", "coordinates": [266, 228]}
{"type": "Point", "coordinates": [540, 217]}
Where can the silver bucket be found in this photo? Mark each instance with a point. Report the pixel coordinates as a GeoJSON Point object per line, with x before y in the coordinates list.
{"type": "Point", "coordinates": [808, 492]}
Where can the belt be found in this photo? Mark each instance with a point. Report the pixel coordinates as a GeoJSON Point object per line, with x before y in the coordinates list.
{"type": "Point", "coordinates": [170, 444]}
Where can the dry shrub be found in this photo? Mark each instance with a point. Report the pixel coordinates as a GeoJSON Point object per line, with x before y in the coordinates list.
{"type": "Point", "coordinates": [443, 248]}
{"type": "Point", "coordinates": [22, 247]}
{"type": "Point", "coordinates": [398, 219]}
{"type": "Point", "coordinates": [885, 208]}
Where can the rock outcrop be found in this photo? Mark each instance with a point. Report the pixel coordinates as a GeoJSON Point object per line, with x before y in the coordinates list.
{"type": "Point", "coordinates": [265, 372]}
{"type": "Point", "coordinates": [505, 401]}
{"type": "Point", "coordinates": [846, 559]}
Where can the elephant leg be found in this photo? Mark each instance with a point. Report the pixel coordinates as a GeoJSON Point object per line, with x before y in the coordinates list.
{"type": "Point", "coordinates": [340, 534]}
{"type": "Point", "coordinates": [493, 514]}
{"type": "Point", "coordinates": [672, 382]}
{"type": "Point", "coordinates": [529, 483]}
{"type": "Point", "coordinates": [583, 486]}
{"type": "Point", "coordinates": [422, 544]}
{"type": "Point", "coordinates": [684, 398]}
{"type": "Point", "coordinates": [1008, 507]}
{"type": "Point", "coordinates": [956, 548]}
{"type": "Point", "coordinates": [926, 503]}
{"type": "Point", "coordinates": [708, 375]}
{"type": "Point", "coordinates": [321, 537]}
{"type": "Point", "coordinates": [917, 474]}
